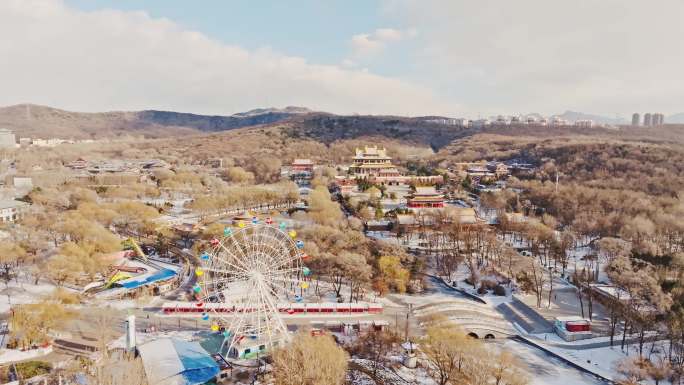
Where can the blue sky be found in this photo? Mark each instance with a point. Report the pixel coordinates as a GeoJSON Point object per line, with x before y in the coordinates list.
{"type": "Point", "coordinates": [457, 58]}
{"type": "Point", "coordinates": [316, 30]}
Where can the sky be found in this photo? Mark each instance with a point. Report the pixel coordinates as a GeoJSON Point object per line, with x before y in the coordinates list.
{"type": "Point", "coordinates": [458, 58]}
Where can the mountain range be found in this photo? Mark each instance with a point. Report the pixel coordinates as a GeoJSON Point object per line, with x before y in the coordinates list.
{"type": "Point", "coordinates": [35, 121]}
{"type": "Point", "coordinates": [676, 118]}
{"type": "Point", "coordinates": [574, 116]}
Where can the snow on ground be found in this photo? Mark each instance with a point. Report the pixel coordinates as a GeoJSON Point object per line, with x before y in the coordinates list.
{"type": "Point", "coordinates": [23, 292]}
{"type": "Point", "coordinates": [553, 338]}
{"type": "Point", "coordinates": [12, 355]}
{"type": "Point", "coordinates": [357, 377]}
{"type": "Point", "coordinates": [414, 376]}
{"type": "Point", "coordinates": [546, 370]}
{"type": "Point", "coordinates": [383, 373]}
{"type": "Point", "coordinates": [141, 338]}
{"type": "Point", "coordinates": [603, 360]}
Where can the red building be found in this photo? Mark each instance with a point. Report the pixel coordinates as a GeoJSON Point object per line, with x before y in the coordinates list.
{"type": "Point", "coordinates": [301, 171]}
{"type": "Point", "coordinates": [426, 197]}
{"type": "Point", "coordinates": [302, 165]}
{"type": "Point", "coordinates": [573, 328]}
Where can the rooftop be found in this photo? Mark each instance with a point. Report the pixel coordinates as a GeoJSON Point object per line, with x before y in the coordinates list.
{"type": "Point", "coordinates": [428, 190]}
{"type": "Point", "coordinates": [11, 203]}
{"type": "Point", "coordinates": [170, 361]}
{"type": "Point", "coordinates": [371, 151]}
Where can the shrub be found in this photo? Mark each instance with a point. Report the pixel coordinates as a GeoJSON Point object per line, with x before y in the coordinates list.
{"type": "Point", "coordinates": [31, 369]}
{"type": "Point", "coordinates": [63, 296]}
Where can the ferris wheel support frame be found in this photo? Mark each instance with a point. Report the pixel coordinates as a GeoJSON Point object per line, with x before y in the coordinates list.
{"type": "Point", "coordinates": [257, 260]}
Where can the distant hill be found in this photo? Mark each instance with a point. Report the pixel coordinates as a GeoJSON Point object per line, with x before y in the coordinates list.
{"type": "Point", "coordinates": [328, 128]}
{"type": "Point", "coordinates": [290, 110]}
{"type": "Point", "coordinates": [575, 116]}
{"type": "Point", "coordinates": [676, 118]}
{"type": "Point", "coordinates": [29, 120]}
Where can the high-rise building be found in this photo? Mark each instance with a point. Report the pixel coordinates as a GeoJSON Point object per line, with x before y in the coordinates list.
{"type": "Point", "coordinates": [648, 121]}
{"type": "Point", "coordinates": [584, 123]}
{"type": "Point", "coordinates": [636, 119]}
{"type": "Point", "coordinates": [658, 119]}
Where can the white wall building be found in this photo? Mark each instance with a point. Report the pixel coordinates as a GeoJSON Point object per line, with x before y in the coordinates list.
{"type": "Point", "coordinates": [481, 123]}
{"type": "Point", "coordinates": [7, 139]}
{"type": "Point", "coordinates": [48, 142]}
{"type": "Point", "coordinates": [584, 123]}
{"type": "Point", "coordinates": [11, 210]}
{"type": "Point", "coordinates": [557, 121]}
{"type": "Point", "coordinates": [461, 122]}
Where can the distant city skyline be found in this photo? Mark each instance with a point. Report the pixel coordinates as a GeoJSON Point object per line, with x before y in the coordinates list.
{"type": "Point", "coordinates": [401, 57]}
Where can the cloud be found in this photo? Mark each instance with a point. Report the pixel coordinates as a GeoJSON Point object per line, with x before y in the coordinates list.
{"type": "Point", "coordinates": [367, 44]}
{"type": "Point", "coordinates": [604, 56]}
{"type": "Point", "coordinates": [116, 60]}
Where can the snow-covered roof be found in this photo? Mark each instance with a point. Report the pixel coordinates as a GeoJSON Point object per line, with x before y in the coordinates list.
{"type": "Point", "coordinates": [169, 361]}
{"type": "Point", "coordinates": [146, 279]}
{"type": "Point", "coordinates": [406, 219]}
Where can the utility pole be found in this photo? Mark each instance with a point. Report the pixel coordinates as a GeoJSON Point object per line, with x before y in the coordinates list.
{"type": "Point", "coordinates": [556, 181]}
{"type": "Point", "coordinates": [406, 329]}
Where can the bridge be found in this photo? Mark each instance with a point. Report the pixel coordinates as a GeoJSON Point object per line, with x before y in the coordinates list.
{"type": "Point", "coordinates": [476, 319]}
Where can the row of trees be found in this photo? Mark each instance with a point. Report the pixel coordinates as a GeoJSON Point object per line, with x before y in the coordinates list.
{"type": "Point", "coordinates": [223, 200]}
{"type": "Point", "coordinates": [449, 356]}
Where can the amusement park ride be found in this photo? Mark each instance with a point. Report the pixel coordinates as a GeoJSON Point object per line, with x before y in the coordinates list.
{"type": "Point", "coordinates": [253, 268]}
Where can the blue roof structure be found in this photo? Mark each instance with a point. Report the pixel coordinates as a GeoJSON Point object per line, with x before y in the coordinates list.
{"type": "Point", "coordinates": [146, 279]}
{"type": "Point", "coordinates": [169, 361]}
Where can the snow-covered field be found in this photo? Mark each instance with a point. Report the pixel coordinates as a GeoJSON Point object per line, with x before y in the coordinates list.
{"type": "Point", "coordinates": [23, 292]}
{"type": "Point", "coordinates": [546, 370]}
{"type": "Point", "coordinates": [12, 355]}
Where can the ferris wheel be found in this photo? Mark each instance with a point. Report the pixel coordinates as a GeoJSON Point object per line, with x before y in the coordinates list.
{"type": "Point", "coordinates": [241, 280]}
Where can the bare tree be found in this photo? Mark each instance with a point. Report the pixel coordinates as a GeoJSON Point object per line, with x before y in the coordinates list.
{"type": "Point", "coordinates": [310, 360]}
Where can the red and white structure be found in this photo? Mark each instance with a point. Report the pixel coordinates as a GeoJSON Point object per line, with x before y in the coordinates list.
{"type": "Point", "coordinates": [243, 277]}
{"type": "Point", "coordinates": [573, 328]}
{"type": "Point", "coordinates": [295, 308]}
{"type": "Point", "coordinates": [426, 198]}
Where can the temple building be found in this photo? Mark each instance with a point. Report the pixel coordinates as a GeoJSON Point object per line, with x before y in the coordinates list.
{"type": "Point", "coordinates": [301, 171]}
{"type": "Point", "coordinates": [426, 197]}
{"type": "Point", "coordinates": [372, 165]}
{"type": "Point", "coordinates": [303, 166]}
{"type": "Point", "coordinates": [372, 161]}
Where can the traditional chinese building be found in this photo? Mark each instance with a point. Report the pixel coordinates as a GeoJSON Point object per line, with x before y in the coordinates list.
{"type": "Point", "coordinates": [374, 165]}
{"type": "Point", "coordinates": [303, 166]}
{"type": "Point", "coordinates": [426, 197]}
{"type": "Point", "coordinates": [301, 171]}
{"type": "Point", "coordinates": [372, 161]}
